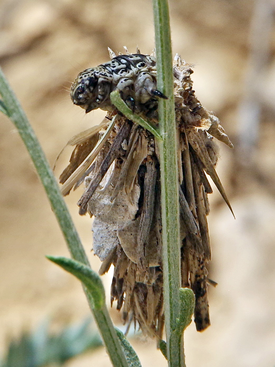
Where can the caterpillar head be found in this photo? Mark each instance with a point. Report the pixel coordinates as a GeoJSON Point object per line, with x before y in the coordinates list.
{"type": "Point", "coordinates": [87, 92]}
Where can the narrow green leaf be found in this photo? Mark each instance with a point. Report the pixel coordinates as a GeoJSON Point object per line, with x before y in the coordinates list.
{"type": "Point", "coordinates": [123, 108]}
{"type": "Point", "coordinates": [187, 304]}
{"type": "Point", "coordinates": [3, 107]}
{"type": "Point", "coordinates": [163, 348]}
{"type": "Point", "coordinates": [87, 276]}
{"type": "Point", "coordinates": [130, 354]}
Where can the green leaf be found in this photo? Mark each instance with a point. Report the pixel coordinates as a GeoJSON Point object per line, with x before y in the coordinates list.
{"type": "Point", "coordinates": [42, 348]}
{"type": "Point", "coordinates": [86, 275]}
{"type": "Point", "coordinates": [130, 355]}
{"type": "Point", "coordinates": [127, 112]}
{"type": "Point", "coordinates": [187, 303]}
{"type": "Point", "coordinates": [3, 108]}
{"type": "Point", "coordinates": [163, 348]}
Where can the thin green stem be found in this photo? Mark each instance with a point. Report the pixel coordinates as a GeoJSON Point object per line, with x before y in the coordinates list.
{"type": "Point", "coordinates": [10, 105]}
{"type": "Point", "coordinates": [169, 184]}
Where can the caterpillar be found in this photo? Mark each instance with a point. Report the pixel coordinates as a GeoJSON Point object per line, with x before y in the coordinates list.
{"type": "Point", "coordinates": [134, 75]}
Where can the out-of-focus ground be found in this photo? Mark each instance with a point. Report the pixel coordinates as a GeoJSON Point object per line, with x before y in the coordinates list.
{"type": "Point", "coordinates": [43, 45]}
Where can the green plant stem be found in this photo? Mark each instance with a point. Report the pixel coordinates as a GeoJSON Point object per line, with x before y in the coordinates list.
{"type": "Point", "coordinates": [169, 184]}
{"type": "Point", "coordinates": [14, 111]}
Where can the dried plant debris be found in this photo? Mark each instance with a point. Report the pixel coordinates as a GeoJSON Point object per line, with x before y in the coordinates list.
{"type": "Point", "coordinates": [123, 185]}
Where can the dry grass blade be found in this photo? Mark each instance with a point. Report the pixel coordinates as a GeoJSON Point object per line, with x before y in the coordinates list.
{"type": "Point", "coordinates": [113, 153]}
{"type": "Point", "coordinates": [84, 135]}
{"type": "Point", "coordinates": [147, 213]}
{"type": "Point", "coordinates": [129, 162]}
{"type": "Point", "coordinates": [79, 140]}
{"type": "Point", "coordinates": [81, 169]}
{"type": "Point", "coordinates": [197, 141]}
{"type": "Point", "coordinates": [201, 213]}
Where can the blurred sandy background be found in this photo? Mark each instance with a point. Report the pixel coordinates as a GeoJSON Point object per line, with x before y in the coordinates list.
{"type": "Point", "coordinates": [43, 45]}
